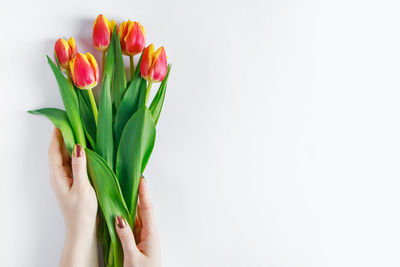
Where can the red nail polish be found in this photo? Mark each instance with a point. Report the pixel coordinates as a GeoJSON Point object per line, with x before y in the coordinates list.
{"type": "Point", "coordinates": [78, 150]}
{"type": "Point", "coordinates": [120, 222]}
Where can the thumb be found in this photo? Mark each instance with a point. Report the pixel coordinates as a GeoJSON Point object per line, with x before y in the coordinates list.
{"type": "Point", "coordinates": [78, 164]}
{"type": "Point", "coordinates": [125, 234]}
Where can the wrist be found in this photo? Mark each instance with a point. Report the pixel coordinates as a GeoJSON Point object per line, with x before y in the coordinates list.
{"type": "Point", "coordinates": [80, 234]}
{"type": "Point", "coordinates": [80, 227]}
{"type": "Point", "coordinates": [78, 231]}
{"type": "Point", "coordinates": [80, 248]}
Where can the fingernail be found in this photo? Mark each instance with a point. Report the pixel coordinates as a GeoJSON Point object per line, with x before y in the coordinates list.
{"type": "Point", "coordinates": [78, 150]}
{"type": "Point", "coordinates": [120, 222]}
{"type": "Point", "coordinates": [144, 179]}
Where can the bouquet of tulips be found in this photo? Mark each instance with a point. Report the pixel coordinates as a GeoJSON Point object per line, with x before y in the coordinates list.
{"type": "Point", "coordinates": [118, 131]}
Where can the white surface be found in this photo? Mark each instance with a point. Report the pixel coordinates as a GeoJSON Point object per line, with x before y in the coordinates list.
{"type": "Point", "coordinates": [279, 142]}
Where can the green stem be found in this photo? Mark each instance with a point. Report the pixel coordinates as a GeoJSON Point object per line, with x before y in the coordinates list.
{"type": "Point", "coordinates": [93, 103]}
{"type": "Point", "coordinates": [148, 92]}
{"type": "Point", "coordinates": [132, 67]}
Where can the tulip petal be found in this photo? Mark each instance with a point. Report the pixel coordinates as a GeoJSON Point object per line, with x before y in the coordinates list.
{"type": "Point", "coordinates": [132, 38]}
{"type": "Point", "coordinates": [84, 71]}
{"type": "Point", "coordinates": [121, 32]}
{"type": "Point", "coordinates": [72, 45]}
{"type": "Point", "coordinates": [159, 66]}
{"type": "Point", "coordinates": [146, 61]}
{"type": "Point", "coordinates": [101, 33]}
{"type": "Point", "coordinates": [94, 65]}
{"type": "Point", "coordinates": [112, 25]}
{"type": "Point", "coordinates": [62, 51]}
{"type": "Point", "coordinates": [141, 27]}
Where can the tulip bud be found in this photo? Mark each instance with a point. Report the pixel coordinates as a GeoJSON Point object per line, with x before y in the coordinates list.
{"type": "Point", "coordinates": [131, 36]}
{"type": "Point", "coordinates": [154, 64]}
{"type": "Point", "coordinates": [84, 71]}
{"type": "Point", "coordinates": [102, 31]}
{"type": "Point", "coordinates": [64, 51]}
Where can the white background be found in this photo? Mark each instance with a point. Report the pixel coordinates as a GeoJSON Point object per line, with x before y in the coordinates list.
{"type": "Point", "coordinates": [279, 141]}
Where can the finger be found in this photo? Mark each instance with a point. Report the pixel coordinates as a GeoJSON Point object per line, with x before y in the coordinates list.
{"type": "Point", "coordinates": [58, 153]}
{"type": "Point", "coordinates": [146, 209]}
{"type": "Point", "coordinates": [125, 234]}
{"type": "Point", "coordinates": [139, 213]}
{"type": "Point", "coordinates": [137, 229]}
{"type": "Point", "coordinates": [78, 163]}
{"type": "Point", "coordinates": [65, 154]}
{"type": "Point", "coordinates": [55, 149]}
{"type": "Point", "coordinates": [60, 171]}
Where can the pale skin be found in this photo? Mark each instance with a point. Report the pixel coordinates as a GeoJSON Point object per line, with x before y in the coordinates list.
{"type": "Point", "coordinates": [78, 203]}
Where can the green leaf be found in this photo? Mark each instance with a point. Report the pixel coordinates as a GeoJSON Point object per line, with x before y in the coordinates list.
{"type": "Point", "coordinates": [86, 112]}
{"type": "Point", "coordinates": [90, 139]}
{"type": "Point", "coordinates": [110, 199]}
{"type": "Point", "coordinates": [134, 150]}
{"type": "Point", "coordinates": [103, 235]}
{"type": "Point", "coordinates": [110, 57]}
{"type": "Point", "coordinates": [127, 108]}
{"type": "Point", "coordinates": [137, 70]}
{"type": "Point", "coordinates": [158, 100]}
{"type": "Point", "coordinates": [142, 93]}
{"type": "Point", "coordinates": [70, 101]}
{"type": "Point", "coordinates": [60, 120]}
{"type": "Point", "coordinates": [57, 62]}
{"type": "Point", "coordinates": [119, 74]}
{"type": "Point", "coordinates": [105, 138]}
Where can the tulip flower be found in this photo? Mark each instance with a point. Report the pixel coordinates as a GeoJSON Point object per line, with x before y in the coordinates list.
{"type": "Point", "coordinates": [64, 51]}
{"type": "Point", "coordinates": [132, 39]}
{"type": "Point", "coordinates": [102, 31]}
{"type": "Point", "coordinates": [153, 66]}
{"type": "Point", "coordinates": [85, 75]}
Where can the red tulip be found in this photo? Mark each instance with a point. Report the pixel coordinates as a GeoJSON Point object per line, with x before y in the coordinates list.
{"type": "Point", "coordinates": [154, 64]}
{"type": "Point", "coordinates": [132, 38]}
{"type": "Point", "coordinates": [64, 51]}
{"type": "Point", "coordinates": [84, 71]}
{"type": "Point", "coordinates": [102, 31]}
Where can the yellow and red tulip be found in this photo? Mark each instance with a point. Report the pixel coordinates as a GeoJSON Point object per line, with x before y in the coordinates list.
{"type": "Point", "coordinates": [64, 51]}
{"type": "Point", "coordinates": [102, 31]}
{"type": "Point", "coordinates": [153, 66]}
{"type": "Point", "coordinates": [132, 38]}
{"type": "Point", "coordinates": [84, 71]}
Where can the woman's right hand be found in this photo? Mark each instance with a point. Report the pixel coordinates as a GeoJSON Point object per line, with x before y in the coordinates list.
{"type": "Point", "coordinates": [142, 248]}
{"type": "Point", "coordinates": [77, 200]}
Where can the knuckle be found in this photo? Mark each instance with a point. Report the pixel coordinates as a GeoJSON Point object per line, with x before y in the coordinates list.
{"type": "Point", "coordinates": [125, 236]}
{"type": "Point", "coordinates": [77, 164]}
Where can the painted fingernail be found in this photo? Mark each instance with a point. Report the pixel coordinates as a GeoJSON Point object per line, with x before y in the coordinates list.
{"type": "Point", "coordinates": [120, 222]}
{"type": "Point", "coordinates": [78, 150]}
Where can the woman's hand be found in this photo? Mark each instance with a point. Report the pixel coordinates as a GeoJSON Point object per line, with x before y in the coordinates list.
{"type": "Point", "coordinates": [141, 249]}
{"type": "Point", "coordinates": [77, 200]}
